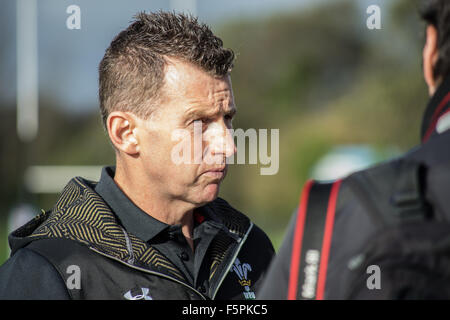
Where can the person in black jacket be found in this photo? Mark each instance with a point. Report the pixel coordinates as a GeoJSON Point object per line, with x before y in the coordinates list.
{"type": "Point", "coordinates": [387, 225]}
{"type": "Point", "coordinates": [153, 226]}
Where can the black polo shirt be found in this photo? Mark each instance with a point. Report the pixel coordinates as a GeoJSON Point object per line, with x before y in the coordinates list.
{"type": "Point", "coordinates": [168, 239]}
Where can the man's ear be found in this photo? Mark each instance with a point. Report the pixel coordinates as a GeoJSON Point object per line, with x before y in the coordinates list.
{"type": "Point", "coordinates": [122, 132]}
{"type": "Point", "coordinates": [430, 58]}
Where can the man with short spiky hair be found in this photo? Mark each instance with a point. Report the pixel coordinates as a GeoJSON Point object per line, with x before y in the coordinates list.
{"type": "Point", "coordinates": [152, 227]}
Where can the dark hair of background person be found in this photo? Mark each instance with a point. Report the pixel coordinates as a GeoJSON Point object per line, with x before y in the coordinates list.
{"type": "Point", "coordinates": [131, 73]}
{"type": "Point", "coordinates": [437, 13]}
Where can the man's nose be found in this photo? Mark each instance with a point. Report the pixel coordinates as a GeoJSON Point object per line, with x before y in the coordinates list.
{"type": "Point", "coordinates": [221, 141]}
{"type": "Point", "coordinates": [230, 147]}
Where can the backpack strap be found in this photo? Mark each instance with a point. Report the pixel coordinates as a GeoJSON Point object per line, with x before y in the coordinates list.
{"type": "Point", "coordinates": [392, 193]}
{"type": "Point", "coordinates": [312, 240]}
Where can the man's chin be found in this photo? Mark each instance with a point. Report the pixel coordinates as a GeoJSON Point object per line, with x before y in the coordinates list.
{"type": "Point", "coordinates": [210, 192]}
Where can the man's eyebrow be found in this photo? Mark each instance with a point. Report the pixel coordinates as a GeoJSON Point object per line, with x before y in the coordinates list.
{"type": "Point", "coordinates": [206, 112]}
{"type": "Point", "coordinates": [200, 112]}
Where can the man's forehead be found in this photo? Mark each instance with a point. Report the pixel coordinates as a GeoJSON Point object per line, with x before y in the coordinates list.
{"type": "Point", "coordinates": [196, 90]}
{"type": "Point", "coordinates": [187, 79]}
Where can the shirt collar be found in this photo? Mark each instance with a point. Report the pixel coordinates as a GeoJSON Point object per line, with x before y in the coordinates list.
{"type": "Point", "coordinates": [135, 220]}
{"type": "Point", "coordinates": [131, 217]}
{"type": "Point", "coordinates": [438, 105]}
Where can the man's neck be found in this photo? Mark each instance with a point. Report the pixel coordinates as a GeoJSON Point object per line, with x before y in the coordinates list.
{"type": "Point", "coordinates": [169, 211]}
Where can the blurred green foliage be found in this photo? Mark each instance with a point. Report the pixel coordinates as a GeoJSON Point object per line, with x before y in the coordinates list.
{"type": "Point", "coordinates": [318, 75]}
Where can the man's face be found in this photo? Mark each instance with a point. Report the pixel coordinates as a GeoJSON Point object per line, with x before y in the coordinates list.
{"type": "Point", "coordinates": [193, 122]}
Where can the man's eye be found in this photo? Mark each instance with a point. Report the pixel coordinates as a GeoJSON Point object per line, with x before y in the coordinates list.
{"type": "Point", "coordinates": [200, 123]}
{"type": "Point", "coordinates": [202, 119]}
{"type": "Point", "coordinates": [229, 119]}
{"type": "Point", "coordinates": [197, 121]}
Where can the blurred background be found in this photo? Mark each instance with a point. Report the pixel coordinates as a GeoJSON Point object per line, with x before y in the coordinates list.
{"type": "Point", "coordinates": [343, 96]}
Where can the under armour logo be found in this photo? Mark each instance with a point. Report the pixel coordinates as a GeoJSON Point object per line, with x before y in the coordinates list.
{"type": "Point", "coordinates": [142, 296]}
